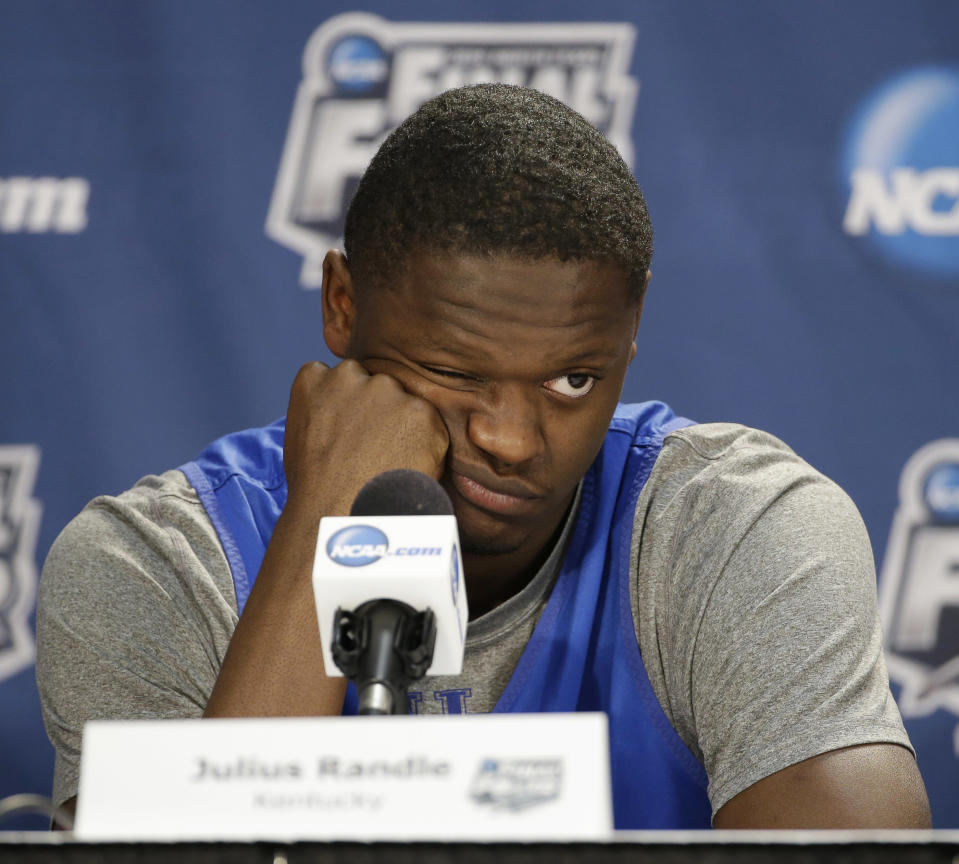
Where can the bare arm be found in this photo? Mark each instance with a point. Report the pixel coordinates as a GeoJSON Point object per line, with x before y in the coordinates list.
{"type": "Point", "coordinates": [344, 427]}
{"type": "Point", "coordinates": [274, 665]}
{"type": "Point", "coordinates": [869, 786]}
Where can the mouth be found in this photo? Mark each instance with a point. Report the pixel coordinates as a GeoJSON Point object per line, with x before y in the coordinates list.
{"type": "Point", "coordinates": [506, 499]}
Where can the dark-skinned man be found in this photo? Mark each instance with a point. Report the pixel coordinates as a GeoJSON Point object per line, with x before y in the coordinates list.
{"type": "Point", "coordinates": [700, 583]}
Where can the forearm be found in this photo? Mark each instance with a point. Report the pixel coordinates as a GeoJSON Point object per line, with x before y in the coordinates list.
{"type": "Point", "coordinates": [274, 664]}
{"type": "Point", "coordinates": [335, 441]}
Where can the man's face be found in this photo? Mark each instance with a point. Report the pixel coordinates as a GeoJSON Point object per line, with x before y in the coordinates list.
{"type": "Point", "coordinates": [524, 360]}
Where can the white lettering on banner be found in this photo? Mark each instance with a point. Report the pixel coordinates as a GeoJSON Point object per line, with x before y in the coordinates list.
{"type": "Point", "coordinates": [925, 201]}
{"type": "Point", "coordinates": [933, 553]}
{"type": "Point", "coordinates": [340, 153]}
{"type": "Point", "coordinates": [39, 205]}
{"type": "Point", "coordinates": [19, 523]}
{"type": "Point", "coordinates": [919, 583]}
{"type": "Point", "coordinates": [362, 75]}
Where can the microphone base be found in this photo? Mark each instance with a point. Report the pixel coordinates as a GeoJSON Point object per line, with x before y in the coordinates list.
{"type": "Point", "coordinates": [382, 646]}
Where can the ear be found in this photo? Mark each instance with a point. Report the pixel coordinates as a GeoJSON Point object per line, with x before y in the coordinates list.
{"type": "Point", "coordinates": [339, 306]}
{"type": "Point", "coordinates": [638, 313]}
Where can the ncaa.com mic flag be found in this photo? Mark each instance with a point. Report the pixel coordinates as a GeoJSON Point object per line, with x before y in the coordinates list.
{"type": "Point", "coordinates": [414, 559]}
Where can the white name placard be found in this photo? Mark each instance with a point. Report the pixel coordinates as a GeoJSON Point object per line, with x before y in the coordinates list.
{"type": "Point", "coordinates": [477, 777]}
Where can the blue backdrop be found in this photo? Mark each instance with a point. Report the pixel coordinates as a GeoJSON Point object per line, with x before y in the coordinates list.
{"type": "Point", "coordinates": [171, 171]}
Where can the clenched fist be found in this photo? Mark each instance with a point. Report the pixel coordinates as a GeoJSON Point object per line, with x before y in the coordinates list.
{"type": "Point", "coordinates": [345, 426]}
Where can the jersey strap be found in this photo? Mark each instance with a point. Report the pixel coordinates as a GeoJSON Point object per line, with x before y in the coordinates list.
{"type": "Point", "coordinates": [240, 481]}
{"type": "Point", "coordinates": [583, 654]}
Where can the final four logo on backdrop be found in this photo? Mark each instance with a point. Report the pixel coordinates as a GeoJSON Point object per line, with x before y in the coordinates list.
{"type": "Point", "coordinates": [900, 166]}
{"type": "Point", "coordinates": [362, 75]}
{"type": "Point", "coordinates": [19, 523]}
{"type": "Point", "coordinates": [919, 585]}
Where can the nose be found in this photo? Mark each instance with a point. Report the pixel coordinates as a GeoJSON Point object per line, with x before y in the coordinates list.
{"type": "Point", "coordinates": [507, 428]}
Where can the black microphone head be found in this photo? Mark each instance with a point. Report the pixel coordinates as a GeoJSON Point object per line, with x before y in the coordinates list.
{"type": "Point", "coordinates": [402, 492]}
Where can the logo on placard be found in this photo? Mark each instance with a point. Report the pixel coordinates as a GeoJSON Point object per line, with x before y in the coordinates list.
{"type": "Point", "coordinates": [42, 205]}
{"type": "Point", "coordinates": [516, 784]}
{"type": "Point", "coordinates": [900, 167]}
{"type": "Point", "coordinates": [19, 523]}
{"type": "Point", "coordinates": [919, 584]}
{"type": "Point", "coordinates": [363, 75]}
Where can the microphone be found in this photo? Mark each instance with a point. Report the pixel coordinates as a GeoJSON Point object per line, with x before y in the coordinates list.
{"type": "Point", "coordinates": [387, 582]}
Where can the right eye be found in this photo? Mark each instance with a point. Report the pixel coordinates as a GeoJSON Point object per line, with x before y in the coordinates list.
{"type": "Point", "coordinates": [448, 373]}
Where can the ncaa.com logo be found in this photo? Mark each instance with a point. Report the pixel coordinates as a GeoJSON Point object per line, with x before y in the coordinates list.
{"type": "Point", "coordinates": [359, 545]}
{"type": "Point", "coordinates": [363, 75]}
{"type": "Point", "coordinates": [900, 166]}
{"type": "Point", "coordinates": [918, 588]}
{"type": "Point", "coordinates": [42, 205]}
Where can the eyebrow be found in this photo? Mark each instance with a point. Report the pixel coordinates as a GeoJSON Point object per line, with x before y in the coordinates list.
{"type": "Point", "coordinates": [598, 357]}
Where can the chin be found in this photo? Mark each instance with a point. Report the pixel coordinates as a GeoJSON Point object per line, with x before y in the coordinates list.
{"type": "Point", "coordinates": [488, 543]}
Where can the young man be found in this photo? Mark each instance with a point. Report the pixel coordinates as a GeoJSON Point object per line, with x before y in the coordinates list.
{"type": "Point", "coordinates": [700, 583]}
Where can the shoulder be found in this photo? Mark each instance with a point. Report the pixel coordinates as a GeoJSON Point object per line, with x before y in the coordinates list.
{"type": "Point", "coordinates": [158, 521]}
{"type": "Point", "coordinates": [129, 560]}
{"type": "Point", "coordinates": [718, 485]}
{"type": "Point", "coordinates": [705, 456]}
{"type": "Point", "coordinates": [754, 601]}
{"type": "Point", "coordinates": [135, 610]}
{"type": "Point", "coordinates": [709, 486]}
{"type": "Point", "coordinates": [721, 493]}
{"type": "Point", "coordinates": [713, 482]}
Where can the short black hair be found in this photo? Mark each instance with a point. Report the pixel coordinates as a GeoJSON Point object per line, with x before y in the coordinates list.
{"type": "Point", "coordinates": [495, 168]}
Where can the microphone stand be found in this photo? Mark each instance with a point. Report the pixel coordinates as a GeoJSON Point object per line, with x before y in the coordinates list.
{"type": "Point", "coordinates": [382, 646]}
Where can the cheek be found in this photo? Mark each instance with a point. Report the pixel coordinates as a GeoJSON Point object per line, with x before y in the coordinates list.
{"type": "Point", "coordinates": [576, 438]}
{"type": "Point", "coordinates": [574, 444]}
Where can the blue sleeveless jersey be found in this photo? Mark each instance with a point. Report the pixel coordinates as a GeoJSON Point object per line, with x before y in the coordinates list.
{"type": "Point", "coordinates": [583, 654]}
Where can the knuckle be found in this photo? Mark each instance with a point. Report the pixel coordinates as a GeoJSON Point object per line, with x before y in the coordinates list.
{"type": "Point", "coordinates": [314, 368]}
{"type": "Point", "coordinates": [385, 385]}
{"type": "Point", "coordinates": [308, 374]}
{"type": "Point", "coordinates": [352, 369]}
{"type": "Point", "coordinates": [423, 410]}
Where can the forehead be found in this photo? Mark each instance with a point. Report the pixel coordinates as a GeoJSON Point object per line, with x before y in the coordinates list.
{"type": "Point", "coordinates": [507, 289]}
{"type": "Point", "coordinates": [500, 315]}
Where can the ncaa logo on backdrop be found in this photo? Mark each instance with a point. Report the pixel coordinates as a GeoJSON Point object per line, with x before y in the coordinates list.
{"type": "Point", "coordinates": [19, 524]}
{"type": "Point", "coordinates": [363, 75]}
{"type": "Point", "coordinates": [901, 169]}
{"type": "Point", "coordinates": [919, 584]}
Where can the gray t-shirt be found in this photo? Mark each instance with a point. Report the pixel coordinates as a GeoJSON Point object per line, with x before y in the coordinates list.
{"type": "Point", "coordinates": [753, 597]}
